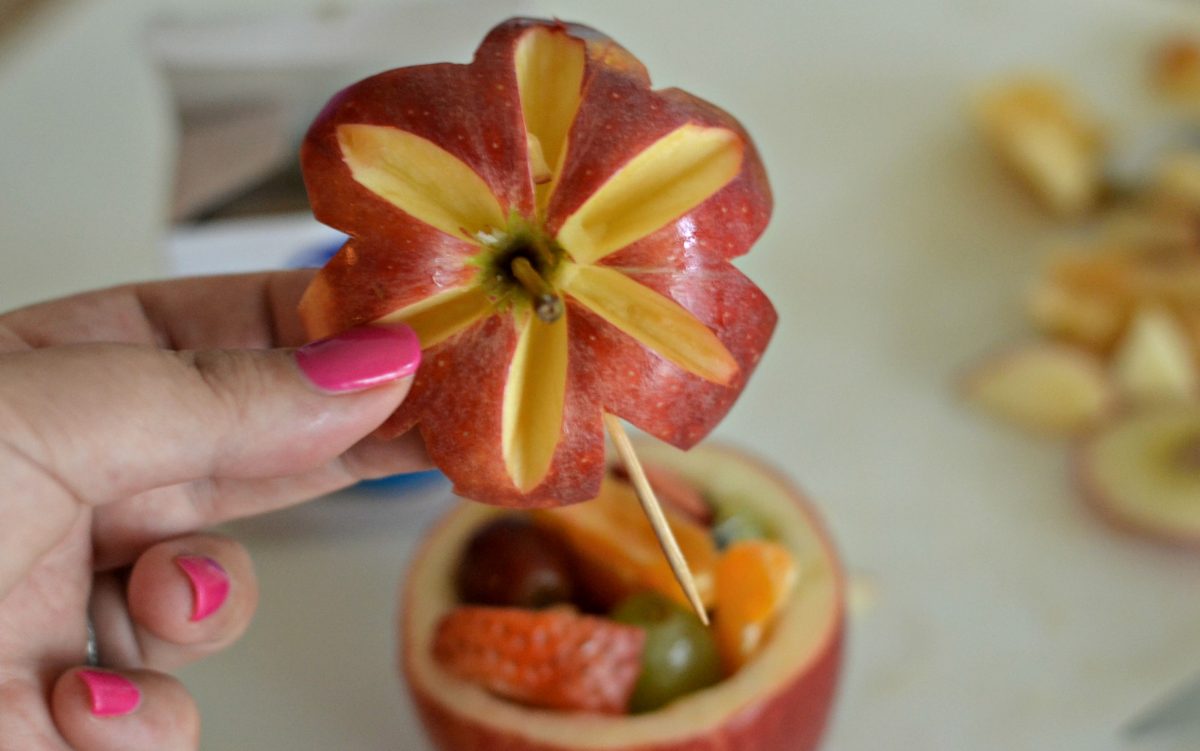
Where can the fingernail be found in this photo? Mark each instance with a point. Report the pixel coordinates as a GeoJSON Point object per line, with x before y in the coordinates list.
{"type": "Point", "coordinates": [360, 358]}
{"type": "Point", "coordinates": [210, 584]}
{"type": "Point", "coordinates": [112, 695]}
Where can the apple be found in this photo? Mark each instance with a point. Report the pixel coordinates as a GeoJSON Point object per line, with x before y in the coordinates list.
{"type": "Point", "coordinates": [777, 701]}
{"type": "Point", "coordinates": [1052, 389]}
{"type": "Point", "coordinates": [1142, 472]}
{"type": "Point", "coordinates": [559, 235]}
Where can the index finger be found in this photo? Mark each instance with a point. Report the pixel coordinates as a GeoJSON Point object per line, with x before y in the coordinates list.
{"type": "Point", "coordinates": [240, 311]}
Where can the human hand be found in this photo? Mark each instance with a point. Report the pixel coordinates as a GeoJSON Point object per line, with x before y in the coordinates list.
{"type": "Point", "coordinates": [130, 419]}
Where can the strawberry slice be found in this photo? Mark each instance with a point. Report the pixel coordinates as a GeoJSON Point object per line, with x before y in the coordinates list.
{"type": "Point", "coordinates": [554, 659]}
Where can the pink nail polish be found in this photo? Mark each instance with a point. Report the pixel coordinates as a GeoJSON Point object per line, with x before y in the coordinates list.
{"type": "Point", "coordinates": [112, 695]}
{"type": "Point", "coordinates": [360, 358]}
{"type": "Point", "coordinates": [210, 584]}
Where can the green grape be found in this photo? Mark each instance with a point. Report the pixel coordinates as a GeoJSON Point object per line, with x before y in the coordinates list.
{"type": "Point", "coordinates": [680, 655]}
{"type": "Point", "coordinates": [729, 528]}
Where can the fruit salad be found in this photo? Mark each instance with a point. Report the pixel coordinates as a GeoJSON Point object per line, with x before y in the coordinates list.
{"type": "Point", "coordinates": [541, 591]}
{"type": "Point", "coordinates": [521, 624]}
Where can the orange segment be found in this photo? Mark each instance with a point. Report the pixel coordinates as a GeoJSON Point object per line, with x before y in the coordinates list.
{"type": "Point", "coordinates": [610, 534]}
{"type": "Point", "coordinates": [754, 579]}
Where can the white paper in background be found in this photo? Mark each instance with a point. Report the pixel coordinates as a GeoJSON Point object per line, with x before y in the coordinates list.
{"type": "Point", "coordinates": [297, 59]}
{"type": "Point", "coordinates": [244, 245]}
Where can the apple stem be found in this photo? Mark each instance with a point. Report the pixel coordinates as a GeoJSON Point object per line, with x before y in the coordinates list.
{"type": "Point", "coordinates": [538, 246]}
{"type": "Point", "coordinates": [546, 303]}
{"type": "Point", "coordinates": [649, 501]}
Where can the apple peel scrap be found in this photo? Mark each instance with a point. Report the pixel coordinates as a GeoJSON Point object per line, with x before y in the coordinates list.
{"type": "Point", "coordinates": [558, 234]}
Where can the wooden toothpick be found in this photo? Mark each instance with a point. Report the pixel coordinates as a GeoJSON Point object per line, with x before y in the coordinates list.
{"type": "Point", "coordinates": [654, 513]}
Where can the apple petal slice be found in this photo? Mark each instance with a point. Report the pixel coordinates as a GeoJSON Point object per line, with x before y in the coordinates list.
{"type": "Point", "coordinates": [658, 322]}
{"type": "Point", "coordinates": [550, 67]}
{"type": "Point", "coordinates": [533, 401]}
{"type": "Point", "coordinates": [366, 280]}
{"type": "Point", "coordinates": [1155, 361]}
{"type": "Point", "coordinates": [420, 178]}
{"type": "Point", "coordinates": [645, 389]}
{"type": "Point", "coordinates": [669, 178]}
{"type": "Point", "coordinates": [1049, 389]}
{"type": "Point", "coordinates": [459, 408]}
{"type": "Point", "coordinates": [441, 316]}
{"type": "Point", "coordinates": [1143, 472]}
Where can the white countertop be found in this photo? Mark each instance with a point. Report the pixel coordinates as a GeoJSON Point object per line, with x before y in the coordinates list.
{"type": "Point", "coordinates": [1005, 615]}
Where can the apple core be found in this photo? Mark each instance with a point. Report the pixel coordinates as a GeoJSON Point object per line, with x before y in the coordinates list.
{"type": "Point", "coordinates": [518, 266]}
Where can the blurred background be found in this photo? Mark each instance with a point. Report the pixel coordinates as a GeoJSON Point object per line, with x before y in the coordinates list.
{"type": "Point", "coordinates": [992, 610]}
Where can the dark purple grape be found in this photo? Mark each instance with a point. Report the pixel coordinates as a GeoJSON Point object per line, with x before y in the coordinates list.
{"type": "Point", "coordinates": [512, 562]}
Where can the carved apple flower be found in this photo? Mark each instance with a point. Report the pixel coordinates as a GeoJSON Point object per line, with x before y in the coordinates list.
{"type": "Point", "coordinates": [559, 235]}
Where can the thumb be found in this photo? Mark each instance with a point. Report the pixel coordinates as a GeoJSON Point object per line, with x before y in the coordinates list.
{"type": "Point", "coordinates": [88, 424]}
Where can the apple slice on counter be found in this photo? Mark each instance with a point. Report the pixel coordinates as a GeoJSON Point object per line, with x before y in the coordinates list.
{"type": "Point", "coordinates": [1142, 472]}
{"type": "Point", "coordinates": [1089, 294]}
{"type": "Point", "coordinates": [778, 700]}
{"type": "Point", "coordinates": [1043, 137]}
{"type": "Point", "coordinates": [1175, 71]}
{"type": "Point", "coordinates": [559, 235]}
{"type": "Point", "coordinates": [1155, 362]}
{"type": "Point", "coordinates": [1045, 388]}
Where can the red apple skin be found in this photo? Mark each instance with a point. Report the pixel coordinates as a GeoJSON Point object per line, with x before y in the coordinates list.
{"type": "Point", "coordinates": [393, 260]}
{"type": "Point", "coordinates": [792, 718]}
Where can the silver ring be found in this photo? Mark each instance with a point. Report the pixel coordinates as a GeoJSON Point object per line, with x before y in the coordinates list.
{"type": "Point", "coordinates": [92, 657]}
